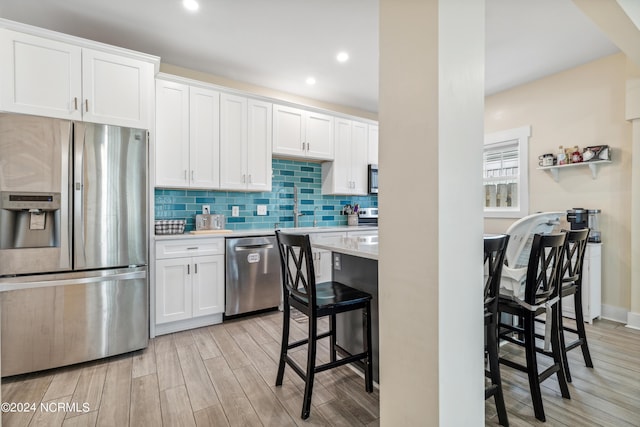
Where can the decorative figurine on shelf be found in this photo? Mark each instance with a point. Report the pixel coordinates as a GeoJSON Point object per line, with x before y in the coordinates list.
{"type": "Point", "coordinates": [576, 156]}
{"type": "Point", "coordinates": [561, 157]}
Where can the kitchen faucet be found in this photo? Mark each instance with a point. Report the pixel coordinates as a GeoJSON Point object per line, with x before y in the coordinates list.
{"type": "Point", "coordinates": [296, 214]}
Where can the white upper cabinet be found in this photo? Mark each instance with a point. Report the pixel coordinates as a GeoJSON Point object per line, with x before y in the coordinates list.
{"type": "Point", "coordinates": [245, 143]}
{"type": "Point", "coordinates": [187, 136]}
{"type": "Point", "coordinates": [302, 134]}
{"type": "Point", "coordinates": [53, 78]}
{"type": "Point", "coordinates": [204, 137]}
{"type": "Point", "coordinates": [373, 144]}
{"type": "Point", "coordinates": [347, 174]}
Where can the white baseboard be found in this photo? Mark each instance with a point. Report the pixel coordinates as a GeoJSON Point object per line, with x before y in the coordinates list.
{"type": "Point", "coordinates": [633, 320]}
{"type": "Point", "coordinates": [617, 314]}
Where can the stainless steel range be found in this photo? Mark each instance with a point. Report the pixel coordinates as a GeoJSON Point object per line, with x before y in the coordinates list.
{"type": "Point", "coordinates": [73, 242]}
{"type": "Point", "coordinates": [368, 216]}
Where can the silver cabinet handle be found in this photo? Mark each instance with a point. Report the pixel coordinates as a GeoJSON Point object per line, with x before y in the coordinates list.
{"type": "Point", "coordinates": [250, 179]}
{"type": "Point", "coordinates": [244, 178]}
{"type": "Point", "coordinates": [188, 268]}
{"type": "Point", "coordinates": [192, 176]}
{"type": "Point", "coordinates": [303, 146]}
{"type": "Point", "coordinates": [193, 248]}
{"type": "Point", "coordinates": [86, 105]}
{"type": "Point", "coordinates": [185, 174]}
{"type": "Point", "coordinates": [196, 267]}
{"type": "Point", "coordinates": [75, 103]}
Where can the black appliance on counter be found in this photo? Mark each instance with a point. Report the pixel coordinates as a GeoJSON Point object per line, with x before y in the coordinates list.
{"type": "Point", "coordinates": [372, 180]}
{"type": "Point", "coordinates": [586, 218]}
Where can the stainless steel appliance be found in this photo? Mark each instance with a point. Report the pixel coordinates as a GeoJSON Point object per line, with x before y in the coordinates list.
{"type": "Point", "coordinates": [372, 178]}
{"type": "Point", "coordinates": [368, 216]}
{"type": "Point", "coordinates": [73, 242]}
{"type": "Point", "coordinates": [252, 275]}
{"type": "Point", "coordinates": [586, 218]}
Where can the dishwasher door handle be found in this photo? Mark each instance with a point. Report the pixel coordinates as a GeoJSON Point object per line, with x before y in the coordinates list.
{"type": "Point", "coordinates": [250, 247]}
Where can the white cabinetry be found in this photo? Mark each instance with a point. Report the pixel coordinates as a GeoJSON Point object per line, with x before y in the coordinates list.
{"type": "Point", "coordinates": [347, 174]}
{"type": "Point", "coordinates": [373, 144]}
{"type": "Point", "coordinates": [245, 143]}
{"type": "Point", "coordinates": [322, 257]}
{"type": "Point", "coordinates": [187, 136]}
{"type": "Point", "coordinates": [591, 286]}
{"type": "Point", "coordinates": [189, 283]}
{"type": "Point", "coordinates": [53, 78]}
{"type": "Point", "coordinates": [302, 134]}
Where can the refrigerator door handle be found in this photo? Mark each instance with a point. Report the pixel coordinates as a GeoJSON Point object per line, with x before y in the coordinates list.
{"type": "Point", "coordinates": [78, 214]}
{"type": "Point", "coordinates": [7, 285]}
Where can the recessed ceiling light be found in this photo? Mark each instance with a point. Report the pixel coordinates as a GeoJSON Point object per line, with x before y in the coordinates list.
{"type": "Point", "coordinates": [342, 57]}
{"type": "Point", "coordinates": [191, 5]}
{"type": "Point", "coordinates": [311, 80]}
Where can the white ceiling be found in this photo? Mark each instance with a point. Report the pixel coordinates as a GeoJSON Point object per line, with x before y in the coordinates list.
{"type": "Point", "coordinates": [279, 43]}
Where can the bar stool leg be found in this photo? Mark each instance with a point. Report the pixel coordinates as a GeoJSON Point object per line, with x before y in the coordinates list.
{"type": "Point", "coordinates": [532, 365]}
{"type": "Point", "coordinates": [286, 318]}
{"type": "Point", "coordinates": [557, 355]}
{"type": "Point", "coordinates": [332, 338]}
{"type": "Point", "coordinates": [366, 339]}
{"type": "Point", "coordinates": [582, 333]}
{"type": "Point", "coordinates": [311, 367]}
{"type": "Point", "coordinates": [563, 346]}
{"type": "Point", "coordinates": [494, 367]}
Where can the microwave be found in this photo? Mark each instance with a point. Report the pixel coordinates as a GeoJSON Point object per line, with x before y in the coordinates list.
{"type": "Point", "coordinates": [372, 173]}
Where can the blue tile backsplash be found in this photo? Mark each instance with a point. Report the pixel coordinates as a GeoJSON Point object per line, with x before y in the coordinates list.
{"type": "Point", "coordinates": [185, 204]}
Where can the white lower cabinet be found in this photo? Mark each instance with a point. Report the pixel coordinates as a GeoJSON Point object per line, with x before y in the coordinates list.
{"type": "Point", "coordinates": [189, 284]}
{"type": "Point", "coordinates": [591, 286]}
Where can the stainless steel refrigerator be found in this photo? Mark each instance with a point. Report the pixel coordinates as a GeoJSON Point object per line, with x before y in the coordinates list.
{"type": "Point", "coordinates": [73, 242]}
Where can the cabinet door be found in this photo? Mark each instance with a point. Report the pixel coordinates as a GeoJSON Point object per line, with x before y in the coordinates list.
{"type": "Point", "coordinates": [173, 290]}
{"type": "Point", "coordinates": [288, 131]}
{"type": "Point", "coordinates": [359, 158]}
{"type": "Point", "coordinates": [342, 183]}
{"type": "Point", "coordinates": [116, 90]}
{"type": "Point", "coordinates": [373, 144]}
{"type": "Point", "coordinates": [233, 142]}
{"type": "Point", "coordinates": [319, 136]}
{"type": "Point", "coordinates": [40, 76]}
{"type": "Point", "coordinates": [204, 138]}
{"type": "Point", "coordinates": [172, 134]}
{"type": "Point", "coordinates": [259, 146]}
{"type": "Point", "coordinates": [208, 285]}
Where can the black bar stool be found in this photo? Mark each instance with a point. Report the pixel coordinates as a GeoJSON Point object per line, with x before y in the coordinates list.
{"type": "Point", "coordinates": [317, 300]}
{"type": "Point", "coordinates": [541, 296]}
{"type": "Point", "coordinates": [575, 248]}
{"type": "Point", "coordinates": [495, 248]}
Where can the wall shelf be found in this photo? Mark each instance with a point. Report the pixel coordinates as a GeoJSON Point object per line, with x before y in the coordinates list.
{"type": "Point", "coordinates": [593, 165]}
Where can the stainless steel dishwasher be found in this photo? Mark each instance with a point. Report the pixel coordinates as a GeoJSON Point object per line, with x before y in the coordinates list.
{"type": "Point", "coordinates": [252, 275]}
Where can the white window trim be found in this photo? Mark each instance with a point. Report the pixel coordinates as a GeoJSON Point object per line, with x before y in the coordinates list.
{"type": "Point", "coordinates": [522, 135]}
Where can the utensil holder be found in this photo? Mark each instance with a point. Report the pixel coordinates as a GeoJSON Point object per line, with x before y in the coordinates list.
{"type": "Point", "coordinates": [352, 219]}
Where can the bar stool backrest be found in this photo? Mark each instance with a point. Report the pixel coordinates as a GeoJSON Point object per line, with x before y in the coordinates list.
{"type": "Point", "coordinates": [296, 263]}
{"type": "Point", "coordinates": [545, 268]}
{"type": "Point", "coordinates": [495, 248]}
{"type": "Point", "coordinates": [575, 247]}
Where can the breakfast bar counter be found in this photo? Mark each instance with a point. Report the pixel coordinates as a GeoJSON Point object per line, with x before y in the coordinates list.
{"type": "Point", "coordinates": [355, 263]}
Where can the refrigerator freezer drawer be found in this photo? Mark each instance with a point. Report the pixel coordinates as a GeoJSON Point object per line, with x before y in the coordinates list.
{"type": "Point", "coordinates": [59, 320]}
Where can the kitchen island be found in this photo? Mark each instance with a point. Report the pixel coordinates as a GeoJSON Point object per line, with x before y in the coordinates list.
{"type": "Point", "coordinates": [355, 263]}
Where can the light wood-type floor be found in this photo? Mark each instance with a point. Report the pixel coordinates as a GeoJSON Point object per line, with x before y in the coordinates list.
{"type": "Point", "coordinates": [224, 375]}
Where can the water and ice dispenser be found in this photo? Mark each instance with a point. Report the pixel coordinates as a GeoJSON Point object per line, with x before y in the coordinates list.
{"type": "Point", "coordinates": [29, 220]}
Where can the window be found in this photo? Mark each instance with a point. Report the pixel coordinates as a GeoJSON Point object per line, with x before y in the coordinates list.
{"type": "Point", "coordinates": [505, 169]}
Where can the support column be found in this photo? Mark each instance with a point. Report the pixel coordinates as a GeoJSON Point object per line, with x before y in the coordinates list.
{"type": "Point", "coordinates": [431, 116]}
{"type": "Point", "coordinates": [632, 114]}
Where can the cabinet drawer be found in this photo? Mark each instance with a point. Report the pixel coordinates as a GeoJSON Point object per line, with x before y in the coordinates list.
{"type": "Point", "coordinates": [189, 247]}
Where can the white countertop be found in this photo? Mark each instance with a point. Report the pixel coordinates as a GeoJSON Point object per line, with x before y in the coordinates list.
{"type": "Point", "coordinates": [267, 231]}
{"type": "Point", "coordinates": [360, 246]}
